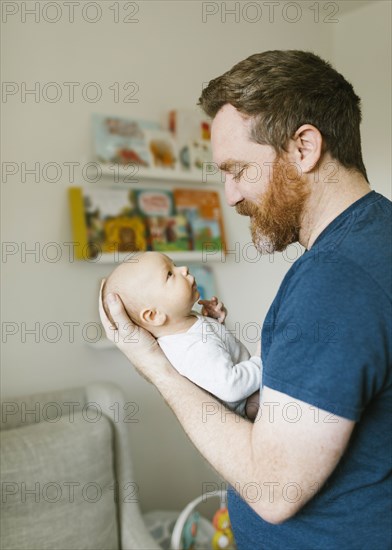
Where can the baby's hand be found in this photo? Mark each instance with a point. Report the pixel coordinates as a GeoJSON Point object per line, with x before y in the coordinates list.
{"type": "Point", "coordinates": [213, 308]}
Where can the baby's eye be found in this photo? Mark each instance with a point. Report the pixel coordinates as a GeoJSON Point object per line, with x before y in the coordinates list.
{"type": "Point", "coordinates": [169, 274]}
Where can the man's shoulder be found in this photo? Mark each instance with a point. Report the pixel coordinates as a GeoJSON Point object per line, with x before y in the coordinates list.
{"type": "Point", "coordinates": [355, 253]}
{"type": "Point", "coordinates": [330, 273]}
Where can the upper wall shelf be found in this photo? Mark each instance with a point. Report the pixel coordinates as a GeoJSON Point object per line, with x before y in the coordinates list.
{"type": "Point", "coordinates": [178, 256]}
{"type": "Point", "coordinates": [133, 173]}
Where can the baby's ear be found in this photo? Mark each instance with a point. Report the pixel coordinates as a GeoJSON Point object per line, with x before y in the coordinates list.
{"type": "Point", "coordinates": [107, 311]}
{"type": "Point", "coordinates": [153, 317]}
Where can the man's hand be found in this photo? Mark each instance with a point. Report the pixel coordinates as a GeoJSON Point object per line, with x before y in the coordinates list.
{"type": "Point", "coordinates": [213, 308]}
{"type": "Point", "coordinates": [137, 344]}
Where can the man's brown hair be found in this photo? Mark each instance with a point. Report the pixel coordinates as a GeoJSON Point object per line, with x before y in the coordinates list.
{"type": "Point", "coordinates": [283, 89]}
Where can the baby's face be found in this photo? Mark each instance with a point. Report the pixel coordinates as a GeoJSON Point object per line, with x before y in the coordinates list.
{"type": "Point", "coordinates": [164, 286]}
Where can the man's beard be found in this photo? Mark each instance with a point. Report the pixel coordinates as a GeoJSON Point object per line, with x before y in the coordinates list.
{"type": "Point", "coordinates": [276, 217]}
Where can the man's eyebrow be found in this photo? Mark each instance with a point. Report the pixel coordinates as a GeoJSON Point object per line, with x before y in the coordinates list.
{"type": "Point", "coordinates": [228, 165]}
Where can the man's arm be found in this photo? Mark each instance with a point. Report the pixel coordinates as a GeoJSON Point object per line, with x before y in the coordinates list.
{"type": "Point", "coordinates": [277, 463]}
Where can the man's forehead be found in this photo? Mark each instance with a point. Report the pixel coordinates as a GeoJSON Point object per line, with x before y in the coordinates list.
{"type": "Point", "coordinates": [229, 120]}
{"type": "Point", "coordinates": [230, 136]}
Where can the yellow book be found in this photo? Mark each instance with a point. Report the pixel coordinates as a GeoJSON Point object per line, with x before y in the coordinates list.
{"type": "Point", "coordinates": [105, 222]}
{"type": "Point", "coordinates": [78, 221]}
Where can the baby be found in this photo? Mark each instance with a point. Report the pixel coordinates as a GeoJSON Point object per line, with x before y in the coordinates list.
{"type": "Point", "coordinates": [159, 296]}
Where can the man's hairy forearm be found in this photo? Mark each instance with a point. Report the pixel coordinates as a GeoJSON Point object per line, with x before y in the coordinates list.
{"type": "Point", "coordinates": [221, 436]}
{"type": "Point", "coordinates": [259, 460]}
{"type": "Point", "coordinates": [224, 439]}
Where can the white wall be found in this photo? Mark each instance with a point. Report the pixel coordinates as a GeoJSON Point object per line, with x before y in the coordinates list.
{"type": "Point", "coordinates": [362, 52]}
{"type": "Point", "coordinates": [169, 53]}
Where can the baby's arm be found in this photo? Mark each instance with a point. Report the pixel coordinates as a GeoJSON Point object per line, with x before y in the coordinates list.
{"type": "Point", "coordinates": [209, 365]}
{"type": "Point", "coordinates": [213, 308]}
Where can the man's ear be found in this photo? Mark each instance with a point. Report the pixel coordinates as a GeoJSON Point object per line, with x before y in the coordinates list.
{"type": "Point", "coordinates": [306, 147]}
{"type": "Point", "coordinates": [153, 317]}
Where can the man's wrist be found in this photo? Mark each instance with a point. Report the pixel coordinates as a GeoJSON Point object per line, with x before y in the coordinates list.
{"type": "Point", "coordinates": [162, 373]}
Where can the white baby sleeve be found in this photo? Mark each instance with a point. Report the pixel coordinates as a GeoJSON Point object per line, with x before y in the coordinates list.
{"type": "Point", "coordinates": [210, 366]}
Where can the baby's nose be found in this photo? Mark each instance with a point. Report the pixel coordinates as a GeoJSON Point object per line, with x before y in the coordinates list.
{"type": "Point", "coordinates": [184, 270]}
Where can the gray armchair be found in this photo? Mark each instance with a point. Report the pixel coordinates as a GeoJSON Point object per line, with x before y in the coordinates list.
{"type": "Point", "coordinates": [66, 474]}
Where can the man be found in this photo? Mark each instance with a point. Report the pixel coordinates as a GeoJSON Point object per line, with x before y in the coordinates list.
{"type": "Point", "coordinates": [314, 469]}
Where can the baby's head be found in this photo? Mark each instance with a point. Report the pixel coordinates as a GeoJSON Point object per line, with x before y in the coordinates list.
{"type": "Point", "coordinates": [153, 290]}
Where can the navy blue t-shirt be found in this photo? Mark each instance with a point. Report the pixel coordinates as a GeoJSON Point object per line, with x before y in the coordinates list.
{"type": "Point", "coordinates": [327, 341]}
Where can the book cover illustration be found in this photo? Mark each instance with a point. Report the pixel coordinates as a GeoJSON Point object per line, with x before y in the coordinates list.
{"type": "Point", "coordinates": [105, 221]}
{"type": "Point", "coordinates": [200, 155]}
{"type": "Point", "coordinates": [166, 231]}
{"type": "Point", "coordinates": [121, 140]}
{"type": "Point", "coordinates": [168, 234]}
{"type": "Point", "coordinates": [205, 221]}
{"type": "Point", "coordinates": [205, 281]}
{"type": "Point", "coordinates": [192, 131]}
{"type": "Point", "coordinates": [162, 149]}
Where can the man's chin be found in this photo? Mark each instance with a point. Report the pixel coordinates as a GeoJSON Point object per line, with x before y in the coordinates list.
{"type": "Point", "coordinates": [263, 244]}
{"type": "Point", "coordinates": [265, 247]}
{"type": "Point", "coordinates": [244, 210]}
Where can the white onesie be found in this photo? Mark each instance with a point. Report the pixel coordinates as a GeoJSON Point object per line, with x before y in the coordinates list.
{"type": "Point", "coordinates": [211, 357]}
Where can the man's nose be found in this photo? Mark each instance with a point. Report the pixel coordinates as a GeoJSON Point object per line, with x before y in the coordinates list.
{"type": "Point", "coordinates": [232, 193]}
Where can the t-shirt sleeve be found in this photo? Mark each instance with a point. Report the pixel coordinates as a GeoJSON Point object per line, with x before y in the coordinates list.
{"type": "Point", "coordinates": [327, 340]}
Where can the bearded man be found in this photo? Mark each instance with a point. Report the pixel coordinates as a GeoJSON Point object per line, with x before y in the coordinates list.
{"type": "Point", "coordinates": [285, 132]}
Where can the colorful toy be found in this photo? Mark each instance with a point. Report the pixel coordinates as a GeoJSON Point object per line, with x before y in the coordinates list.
{"type": "Point", "coordinates": [190, 531]}
{"type": "Point", "coordinates": [223, 537]}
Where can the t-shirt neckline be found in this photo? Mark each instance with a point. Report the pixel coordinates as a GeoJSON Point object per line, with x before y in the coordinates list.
{"type": "Point", "coordinates": [363, 201]}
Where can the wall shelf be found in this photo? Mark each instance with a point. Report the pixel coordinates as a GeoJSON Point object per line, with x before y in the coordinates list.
{"type": "Point", "coordinates": [182, 255]}
{"type": "Point", "coordinates": [117, 175]}
{"type": "Point", "coordinates": [132, 175]}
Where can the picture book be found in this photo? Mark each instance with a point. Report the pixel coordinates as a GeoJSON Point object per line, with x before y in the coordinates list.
{"type": "Point", "coordinates": [205, 221]}
{"type": "Point", "coordinates": [200, 155]}
{"type": "Point", "coordinates": [105, 221]}
{"type": "Point", "coordinates": [154, 202]}
{"type": "Point", "coordinates": [188, 124]}
{"type": "Point", "coordinates": [162, 149]}
{"type": "Point", "coordinates": [165, 230]}
{"type": "Point", "coordinates": [168, 234]}
{"type": "Point", "coordinates": [122, 140]}
{"type": "Point", "coordinates": [192, 131]}
{"type": "Point", "coordinates": [204, 279]}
